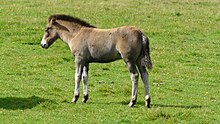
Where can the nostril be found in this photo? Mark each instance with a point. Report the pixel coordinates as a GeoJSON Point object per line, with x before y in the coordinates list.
{"type": "Point", "coordinates": [43, 45]}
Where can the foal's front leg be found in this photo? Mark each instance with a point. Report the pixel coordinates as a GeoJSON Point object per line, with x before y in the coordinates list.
{"type": "Point", "coordinates": [85, 82]}
{"type": "Point", "coordinates": [78, 76]}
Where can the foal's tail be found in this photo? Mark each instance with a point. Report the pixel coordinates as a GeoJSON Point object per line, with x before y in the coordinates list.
{"type": "Point", "coordinates": [145, 60]}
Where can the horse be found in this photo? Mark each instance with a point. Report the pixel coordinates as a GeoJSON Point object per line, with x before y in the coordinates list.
{"type": "Point", "coordinates": [90, 44]}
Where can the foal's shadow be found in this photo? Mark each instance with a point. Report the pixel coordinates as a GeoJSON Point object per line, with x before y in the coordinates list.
{"type": "Point", "coordinates": [140, 103]}
{"type": "Point", "coordinates": [177, 106]}
{"type": "Point", "coordinates": [16, 103]}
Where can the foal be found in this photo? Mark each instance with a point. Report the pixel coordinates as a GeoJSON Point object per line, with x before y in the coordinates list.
{"type": "Point", "coordinates": [90, 44]}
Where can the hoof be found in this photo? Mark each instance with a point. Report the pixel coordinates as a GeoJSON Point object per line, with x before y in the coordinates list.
{"type": "Point", "coordinates": [147, 103]}
{"type": "Point", "coordinates": [86, 97]}
{"type": "Point", "coordinates": [75, 98]}
{"type": "Point", "coordinates": [132, 103]}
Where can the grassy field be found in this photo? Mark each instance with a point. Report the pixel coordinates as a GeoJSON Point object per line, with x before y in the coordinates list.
{"type": "Point", "coordinates": [37, 85]}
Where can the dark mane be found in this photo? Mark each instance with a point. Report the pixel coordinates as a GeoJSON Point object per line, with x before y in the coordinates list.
{"type": "Point", "coordinates": [71, 19]}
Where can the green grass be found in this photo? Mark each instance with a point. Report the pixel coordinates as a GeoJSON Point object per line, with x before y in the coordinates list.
{"type": "Point", "coordinates": [37, 85]}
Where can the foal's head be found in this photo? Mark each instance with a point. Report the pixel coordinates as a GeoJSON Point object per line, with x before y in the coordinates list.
{"type": "Point", "coordinates": [50, 34]}
{"type": "Point", "coordinates": [54, 26]}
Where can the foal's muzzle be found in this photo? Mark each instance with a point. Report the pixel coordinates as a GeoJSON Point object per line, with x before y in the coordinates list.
{"type": "Point", "coordinates": [44, 44]}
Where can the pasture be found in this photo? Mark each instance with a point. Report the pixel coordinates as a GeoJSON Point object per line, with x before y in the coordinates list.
{"type": "Point", "coordinates": [37, 85]}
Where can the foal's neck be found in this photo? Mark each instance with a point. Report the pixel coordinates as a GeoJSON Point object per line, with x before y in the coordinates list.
{"type": "Point", "coordinates": [69, 32]}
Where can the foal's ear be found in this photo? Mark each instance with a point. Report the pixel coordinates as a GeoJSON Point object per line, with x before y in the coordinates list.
{"type": "Point", "coordinates": [52, 20]}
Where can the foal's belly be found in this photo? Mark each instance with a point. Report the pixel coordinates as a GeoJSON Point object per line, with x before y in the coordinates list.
{"type": "Point", "coordinates": [104, 57]}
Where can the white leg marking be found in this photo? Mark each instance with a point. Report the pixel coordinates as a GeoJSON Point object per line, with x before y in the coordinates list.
{"type": "Point", "coordinates": [85, 80]}
{"type": "Point", "coordinates": [78, 77]}
{"type": "Point", "coordinates": [134, 78]}
{"type": "Point", "coordinates": [77, 83]}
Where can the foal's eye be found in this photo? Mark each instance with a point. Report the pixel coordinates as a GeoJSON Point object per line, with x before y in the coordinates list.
{"type": "Point", "coordinates": [47, 29]}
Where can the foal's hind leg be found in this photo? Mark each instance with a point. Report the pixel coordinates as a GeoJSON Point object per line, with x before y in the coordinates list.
{"type": "Point", "coordinates": [134, 78]}
{"type": "Point", "coordinates": [85, 82]}
{"type": "Point", "coordinates": [144, 77]}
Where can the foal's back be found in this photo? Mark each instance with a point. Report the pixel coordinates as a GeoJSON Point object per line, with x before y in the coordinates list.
{"type": "Point", "coordinates": [106, 45]}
